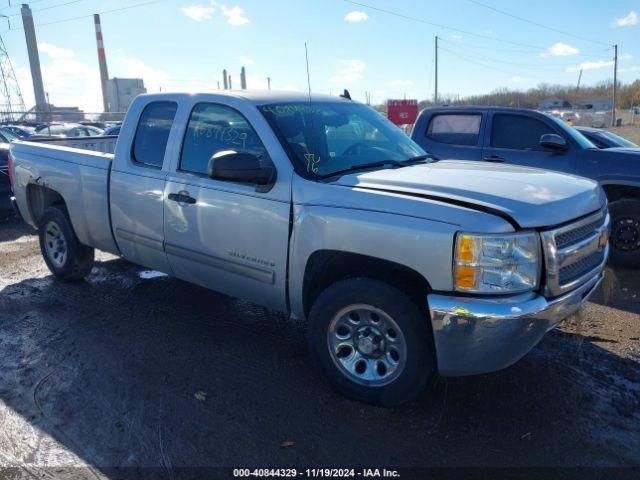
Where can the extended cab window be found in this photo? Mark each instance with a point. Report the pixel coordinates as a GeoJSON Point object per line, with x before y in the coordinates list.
{"type": "Point", "coordinates": [457, 129]}
{"type": "Point", "coordinates": [213, 129]}
{"type": "Point", "coordinates": [517, 132]}
{"type": "Point", "coordinates": [152, 133]}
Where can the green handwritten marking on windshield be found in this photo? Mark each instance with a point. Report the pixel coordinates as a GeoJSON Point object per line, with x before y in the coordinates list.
{"type": "Point", "coordinates": [312, 162]}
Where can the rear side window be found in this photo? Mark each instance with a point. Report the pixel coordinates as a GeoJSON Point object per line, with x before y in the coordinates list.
{"type": "Point", "coordinates": [213, 129]}
{"type": "Point", "coordinates": [517, 132]}
{"type": "Point", "coordinates": [152, 133]}
{"type": "Point", "coordinates": [457, 129]}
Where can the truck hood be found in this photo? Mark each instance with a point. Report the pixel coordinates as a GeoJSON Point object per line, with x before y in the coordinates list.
{"type": "Point", "coordinates": [528, 197]}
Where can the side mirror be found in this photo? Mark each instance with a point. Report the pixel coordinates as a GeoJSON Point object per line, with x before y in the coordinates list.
{"type": "Point", "coordinates": [239, 167]}
{"type": "Point", "coordinates": [552, 141]}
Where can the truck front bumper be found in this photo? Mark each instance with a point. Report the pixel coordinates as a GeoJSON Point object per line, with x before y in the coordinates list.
{"type": "Point", "coordinates": [480, 335]}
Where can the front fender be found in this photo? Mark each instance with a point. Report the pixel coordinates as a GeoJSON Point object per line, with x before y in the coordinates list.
{"type": "Point", "coordinates": [425, 246]}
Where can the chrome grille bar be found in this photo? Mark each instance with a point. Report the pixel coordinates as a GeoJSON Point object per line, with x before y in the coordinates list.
{"type": "Point", "coordinates": [574, 253]}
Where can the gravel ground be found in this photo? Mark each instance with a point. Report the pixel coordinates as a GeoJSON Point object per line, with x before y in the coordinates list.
{"type": "Point", "coordinates": [137, 370]}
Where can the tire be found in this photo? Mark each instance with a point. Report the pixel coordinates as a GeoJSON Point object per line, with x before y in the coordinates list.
{"type": "Point", "coordinates": [625, 233]}
{"type": "Point", "coordinates": [359, 304]}
{"type": "Point", "coordinates": [65, 256]}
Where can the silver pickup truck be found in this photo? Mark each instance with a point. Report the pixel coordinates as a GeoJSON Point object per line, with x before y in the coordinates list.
{"type": "Point", "coordinates": [403, 267]}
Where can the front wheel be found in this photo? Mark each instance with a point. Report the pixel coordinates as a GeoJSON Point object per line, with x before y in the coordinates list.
{"type": "Point", "coordinates": [65, 256]}
{"type": "Point", "coordinates": [372, 341]}
{"type": "Point", "coordinates": [625, 232]}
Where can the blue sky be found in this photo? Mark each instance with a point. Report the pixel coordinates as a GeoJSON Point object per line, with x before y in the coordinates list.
{"type": "Point", "coordinates": [185, 44]}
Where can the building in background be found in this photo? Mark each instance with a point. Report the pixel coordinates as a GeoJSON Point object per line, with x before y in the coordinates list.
{"type": "Point", "coordinates": [554, 103]}
{"type": "Point", "coordinates": [122, 91]}
{"type": "Point", "coordinates": [597, 103]}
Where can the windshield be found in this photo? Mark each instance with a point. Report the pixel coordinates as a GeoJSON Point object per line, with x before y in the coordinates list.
{"type": "Point", "coordinates": [580, 139]}
{"type": "Point", "coordinates": [617, 139]}
{"type": "Point", "coordinates": [330, 137]}
{"type": "Point", "coordinates": [8, 134]}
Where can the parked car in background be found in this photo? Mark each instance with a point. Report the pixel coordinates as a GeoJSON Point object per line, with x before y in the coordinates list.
{"type": "Point", "coordinates": [5, 184]}
{"type": "Point", "coordinates": [112, 131]}
{"type": "Point", "coordinates": [604, 138]}
{"type": "Point", "coordinates": [7, 136]}
{"type": "Point", "coordinates": [20, 130]}
{"type": "Point", "coordinates": [535, 139]}
{"type": "Point", "coordinates": [318, 207]}
{"type": "Point", "coordinates": [68, 130]}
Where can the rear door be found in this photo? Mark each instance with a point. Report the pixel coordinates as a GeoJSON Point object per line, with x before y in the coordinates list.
{"type": "Point", "coordinates": [515, 138]}
{"type": "Point", "coordinates": [230, 237]}
{"type": "Point", "coordinates": [453, 135]}
{"type": "Point", "coordinates": [137, 187]}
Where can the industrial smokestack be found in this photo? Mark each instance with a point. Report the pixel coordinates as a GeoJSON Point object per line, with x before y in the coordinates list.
{"type": "Point", "coordinates": [230, 86]}
{"type": "Point", "coordinates": [243, 78]}
{"type": "Point", "coordinates": [34, 58]}
{"type": "Point", "coordinates": [102, 60]}
{"type": "Point", "coordinates": [226, 82]}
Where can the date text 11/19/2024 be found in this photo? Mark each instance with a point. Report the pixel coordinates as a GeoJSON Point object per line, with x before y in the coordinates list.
{"type": "Point", "coordinates": [316, 473]}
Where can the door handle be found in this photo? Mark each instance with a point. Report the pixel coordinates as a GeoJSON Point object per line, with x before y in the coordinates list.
{"type": "Point", "coordinates": [182, 197]}
{"type": "Point", "coordinates": [493, 158]}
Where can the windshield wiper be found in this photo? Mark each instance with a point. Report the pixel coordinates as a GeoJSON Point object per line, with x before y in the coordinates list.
{"type": "Point", "coordinates": [383, 163]}
{"type": "Point", "coordinates": [365, 166]}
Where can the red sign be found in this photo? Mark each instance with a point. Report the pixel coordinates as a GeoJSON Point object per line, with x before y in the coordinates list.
{"type": "Point", "coordinates": [402, 112]}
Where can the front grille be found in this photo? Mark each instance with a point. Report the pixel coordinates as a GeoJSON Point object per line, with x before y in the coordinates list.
{"type": "Point", "coordinates": [583, 266]}
{"type": "Point", "coordinates": [574, 236]}
{"type": "Point", "coordinates": [572, 252]}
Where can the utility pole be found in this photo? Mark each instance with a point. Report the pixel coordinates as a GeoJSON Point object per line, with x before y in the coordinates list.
{"type": "Point", "coordinates": [435, 96]}
{"type": "Point", "coordinates": [615, 85]}
{"type": "Point", "coordinates": [579, 78]}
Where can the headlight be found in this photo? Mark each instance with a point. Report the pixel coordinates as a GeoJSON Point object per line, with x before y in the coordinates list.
{"type": "Point", "coordinates": [496, 263]}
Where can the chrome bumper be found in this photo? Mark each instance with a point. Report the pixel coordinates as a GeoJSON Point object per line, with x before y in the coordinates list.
{"type": "Point", "coordinates": [480, 335]}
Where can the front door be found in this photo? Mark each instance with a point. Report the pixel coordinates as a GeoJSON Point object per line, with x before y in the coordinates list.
{"type": "Point", "coordinates": [226, 236]}
{"type": "Point", "coordinates": [515, 138]}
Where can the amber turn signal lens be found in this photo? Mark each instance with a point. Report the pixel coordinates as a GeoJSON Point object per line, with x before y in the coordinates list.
{"type": "Point", "coordinates": [465, 249]}
{"type": "Point", "coordinates": [465, 278]}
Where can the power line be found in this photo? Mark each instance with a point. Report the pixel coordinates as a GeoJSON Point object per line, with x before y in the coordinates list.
{"type": "Point", "coordinates": [445, 27]}
{"type": "Point", "coordinates": [490, 67]}
{"type": "Point", "coordinates": [505, 50]}
{"type": "Point", "coordinates": [522, 19]}
{"type": "Point", "coordinates": [492, 59]}
{"type": "Point", "coordinates": [48, 8]}
{"type": "Point", "coordinates": [103, 12]}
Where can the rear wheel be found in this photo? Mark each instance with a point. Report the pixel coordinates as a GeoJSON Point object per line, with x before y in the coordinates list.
{"type": "Point", "coordinates": [372, 342]}
{"type": "Point", "coordinates": [65, 256]}
{"type": "Point", "coordinates": [625, 232]}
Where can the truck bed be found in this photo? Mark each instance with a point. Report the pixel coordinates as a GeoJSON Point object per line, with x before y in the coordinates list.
{"type": "Point", "coordinates": [78, 170]}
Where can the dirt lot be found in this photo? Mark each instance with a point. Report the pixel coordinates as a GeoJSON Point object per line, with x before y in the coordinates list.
{"type": "Point", "coordinates": [631, 132]}
{"type": "Point", "coordinates": [125, 370]}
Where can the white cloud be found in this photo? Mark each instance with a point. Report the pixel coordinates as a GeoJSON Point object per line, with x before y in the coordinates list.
{"type": "Point", "coordinates": [356, 16]}
{"type": "Point", "coordinates": [519, 79]}
{"type": "Point", "coordinates": [629, 20]}
{"type": "Point", "coordinates": [594, 65]}
{"type": "Point", "coordinates": [560, 50]}
{"type": "Point", "coordinates": [235, 15]}
{"type": "Point", "coordinates": [630, 69]}
{"type": "Point", "coordinates": [350, 71]}
{"type": "Point", "coordinates": [401, 83]}
{"type": "Point", "coordinates": [198, 12]}
{"type": "Point", "coordinates": [456, 37]}
{"type": "Point", "coordinates": [53, 51]}
{"type": "Point", "coordinates": [154, 78]}
{"type": "Point", "coordinates": [625, 56]}
{"type": "Point", "coordinates": [245, 60]}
